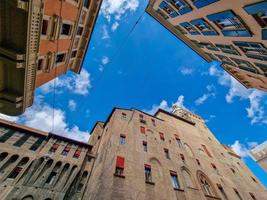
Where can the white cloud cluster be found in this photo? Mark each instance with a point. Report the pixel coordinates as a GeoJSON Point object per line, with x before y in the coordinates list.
{"type": "Point", "coordinates": [77, 84]}
{"type": "Point", "coordinates": [242, 149]}
{"type": "Point", "coordinates": [72, 105]}
{"type": "Point", "coordinates": [164, 105]}
{"type": "Point", "coordinates": [256, 98]}
{"type": "Point", "coordinates": [42, 115]}
{"type": "Point", "coordinates": [113, 10]}
{"type": "Point", "coordinates": [104, 61]}
{"type": "Point", "coordinates": [186, 71]}
{"type": "Point", "coordinates": [206, 96]}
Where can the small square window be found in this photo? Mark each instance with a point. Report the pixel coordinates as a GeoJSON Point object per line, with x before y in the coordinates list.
{"type": "Point", "coordinates": [66, 29]}
{"type": "Point", "coordinates": [40, 64]}
{"type": "Point", "coordinates": [60, 58]}
{"type": "Point", "coordinates": [73, 54]}
{"type": "Point", "coordinates": [80, 30]}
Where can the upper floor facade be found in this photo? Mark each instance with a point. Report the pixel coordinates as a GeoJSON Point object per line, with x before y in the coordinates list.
{"type": "Point", "coordinates": [48, 38]}
{"type": "Point", "coordinates": [231, 32]}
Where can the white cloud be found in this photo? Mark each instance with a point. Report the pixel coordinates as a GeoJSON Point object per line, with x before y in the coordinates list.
{"type": "Point", "coordinates": [40, 116]}
{"type": "Point", "coordinates": [105, 34]}
{"type": "Point", "coordinates": [117, 8]}
{"type": "Point", "coordinates": [164, 105]}
{"type": "Point", "coordinates": [206, 96]}
{"type": "Point", "coordinates": [114, 26]}
{"type": "Point", "coordinates": [242, 149]}
{"type": "Point", "coordinates": [72, 105]}
{"type": "Point", "coordinates": [77, 84]}
{"type": "Point", "coordinates": [186, 70]}
{"type": "Point", "coordinates": [257, 99]}
{"type": "Point", "coordinates": [105, 60]}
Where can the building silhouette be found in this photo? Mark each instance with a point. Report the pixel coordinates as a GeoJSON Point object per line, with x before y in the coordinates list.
{"type": "Point", "coordinates": [40, 40]}
{"type": "Point", "coordinates": [132, 155]}
{"type": "Point", "coordinates": [231, 32]}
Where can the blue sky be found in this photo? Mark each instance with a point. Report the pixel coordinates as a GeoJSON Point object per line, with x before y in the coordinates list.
{"type": "Point", "coordinates": [148, 70]}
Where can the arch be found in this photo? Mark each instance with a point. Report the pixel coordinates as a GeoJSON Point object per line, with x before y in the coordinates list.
{"type": "Point", "coordinates": [206, 185]}
{"type": "Point", "coordinates": [63, 173]}
{"type": "Point", "coordinates": [188, 150]}
{"type": "Point", "coordinates": [33, 168]}
{"type": "Point", "coordinates": [189, 182]}
{"type": "Point", "coordinates": [18, 168]}
{"type": "Point", "coordinates": [3, 155]}
{"type": "Point", "coordinates": [47, 165]}
{"type": "Point", "coordinates": [156, 168]}
{"type": "Point", "coordinates": [70, 174]}
{"type": "Point", "coordinates": [52, 176]}
{"type": "Point", "coordinates": [11, 160]}
{"type": "Point", "coordinates": [82, 181]}
{"type": "Point", "coordinates": [28, 197]}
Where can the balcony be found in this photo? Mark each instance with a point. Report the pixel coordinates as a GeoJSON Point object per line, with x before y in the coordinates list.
{"type": "Point", "coordinates": [19, 44]}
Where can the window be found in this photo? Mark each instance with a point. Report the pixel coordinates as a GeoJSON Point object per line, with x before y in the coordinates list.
{"type": "Point", "coordinates": [77, 153]}
{"type": "Point", "coordinates": [37, 144]}
{"type": "Point", "coordinates": [198, 162]}
{"type": "Point", "coordinates": [161, 135]}
{"type": "Point", "coordinates": [187, 178]}
{"type": "Point", "coordinates": [22, 140]}
{"type": "Point", "coordinates": [259, 12]}
{"type": "Point", "coordinates": [225, 60]}
{"type": "Point", "coordinates": [168, 9]}
{"type": "Point", "coordinates": [153, 122]}
{"type": "Point", "coordinates": [206, 150]}
{"type": "Point", "coordinates": [204, 27]}
{"type": "Point", "coordinates": [188, 150]}
{"type": "Point", "coordinates": [205, 186]}
{"type": "Point", "coordinates": [178, 140]}
{"type": "Point", "coordinates": [123, 116]}
{"type": "Point", "coordinates": [60, 57]}
{"type": "Point", "coordinates": [86, 3]}
{"type": "Point", "coordinates": [51, 178]}
{"type": "Point", "coordinates": [148, 174]}
{"type": "Point", "coordinates": [230, 24]}
{"type": "Point", "coordinates": [228, 49]}
{"type": "Point", "coordinates": [141, 119]}
{"type": "Point", "coordinates": [253, 50]}
{"type": "Point", "coordinates": [162, 14]}
{"type": "Point", "coordinates": [208, 46]}
{"type": "Point", "coordinates": [245, 65]}
{"type": "Point", "coordinates": [6, 135]}
{"type": "Point", "coordinates": [119, 166]}
{"type": "Point", "coordinates": [181, 30]}
{"type": "Point", "coordinates": [182, 157]}
{"type": "Point", "coordinates": [254, 179]}
{"type": "Point", "coordinates": [66, 150]}
{"type": "Point", "coordinates": [174, 180]}
{"type": "Point", "coordinates": [203, 3]}
{"type": "Point", "coordinates": [142, 129]}
{"type": "Point", "coordinates": [252, 196]}
{"type": "Point", "coordinates": [122, 139]}
{"type": "Point", "coordinates": [15, 173]}
{"type": "Point", "coordinates": [54, 148]}
{"type": "Point", "coordinates": [191, 29]}
{"type": "Point", "coordinates": [45, 26]}
{"type": "Point", "coordinates": [213, 57]}
{"type": "Point", "coordinates": [237, 194]}
{"type": "Point", "coordinates": [233, 171]}
{"type": "Point", "coordinates": [40, 64]}
{"type": "Point", "coordinates": [73, 54]}
{"type": "Point", "coordinates": [80, 30]}
{"type": "Point", "coordinates": [181, 5]}
{"type": "Point", "coordinates": [166, 152]}
{"type": "Point", "coordinates": [222, 192]}
{"type": "Point", "coordinates": [145, 146]}
{"type": "Point", "coordinates": [262, 67]}
{"type": "Point", "coordinates": [66, 29]}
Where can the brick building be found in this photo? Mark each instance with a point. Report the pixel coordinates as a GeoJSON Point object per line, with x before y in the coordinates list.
{"type": "Point", "coordinates": [40, 40]}
{"type": "Point", "coordinates": [132, 156]}
{"type": "Point", "coordinates": [233, 32]}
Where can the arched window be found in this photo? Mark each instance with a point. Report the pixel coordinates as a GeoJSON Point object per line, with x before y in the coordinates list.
{"type": "Point", "coordinates": [188, 178]}
{"type": "Point", "coordinates": [15, 172]}
{"type": "Point", "coordinates": [11, 160]}
{"type": "Point", "coordinates": [29, 197]}
{"type": "Point", "coordinates": [82, 181]}
{"type": "Point", "coordinates": [188, 150]}
{"type": "Point", "coordinates": [3, 156]}
{"type": "Point", "coordinates": [52, 176]}
{"type": "Point", "coordinates": [206, 185]}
